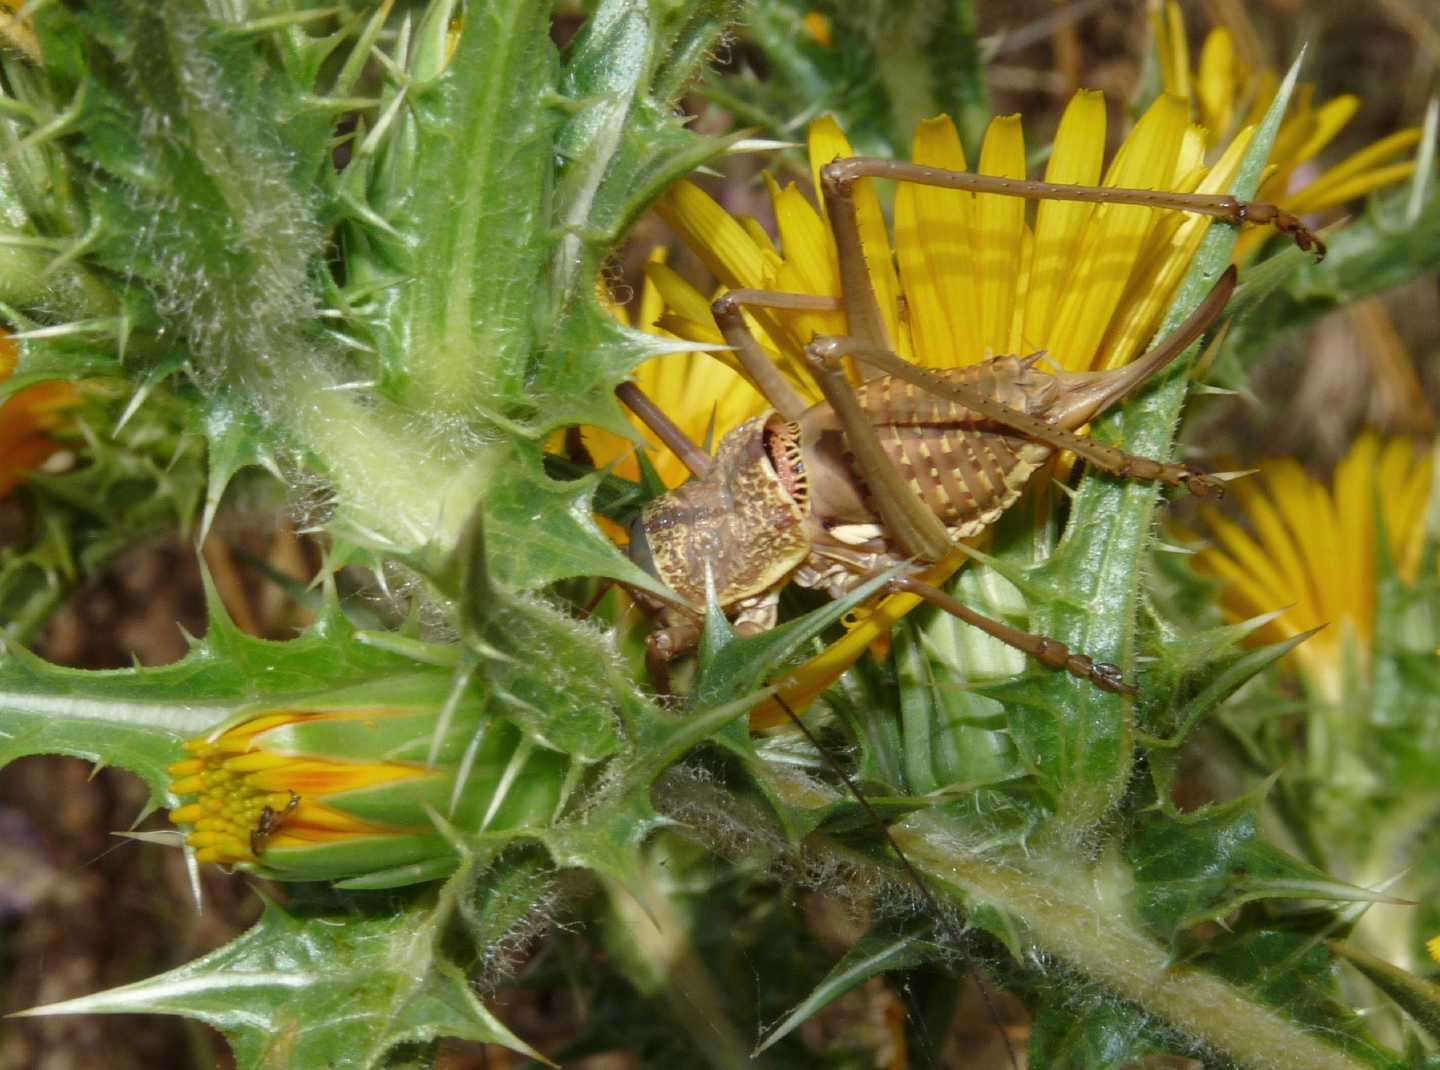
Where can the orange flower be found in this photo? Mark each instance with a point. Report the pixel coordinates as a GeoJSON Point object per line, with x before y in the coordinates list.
{"type": "Point", "coordinates": [26, 418]}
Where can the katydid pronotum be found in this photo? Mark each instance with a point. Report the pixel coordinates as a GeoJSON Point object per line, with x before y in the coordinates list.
{"type": "Point", "coordinates": [892, 472]}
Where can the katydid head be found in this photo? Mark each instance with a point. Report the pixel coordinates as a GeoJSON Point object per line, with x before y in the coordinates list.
{"type": "Point", "coordinates": [747, 523]}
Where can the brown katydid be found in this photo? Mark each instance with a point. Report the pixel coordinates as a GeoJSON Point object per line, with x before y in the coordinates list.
{"type": "Point", "coordinates": [895, 470]}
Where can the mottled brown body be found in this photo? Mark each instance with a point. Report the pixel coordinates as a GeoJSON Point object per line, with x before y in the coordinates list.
{"type": "Point", "coordinates": [785, 501]}
{"type": "Point", "coordinates": [966, 469]}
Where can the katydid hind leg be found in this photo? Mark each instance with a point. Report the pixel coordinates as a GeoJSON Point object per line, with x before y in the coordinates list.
{"type": "Point", "coordinates": [907, 518]}
{"type": "Point", "coordinates": [842, 173]}
{"type": "Point", "coordinates": [1051, 653]}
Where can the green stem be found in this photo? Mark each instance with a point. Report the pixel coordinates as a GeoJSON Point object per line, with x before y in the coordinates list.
{"type": "Point", "coordinates": [1070, 915]}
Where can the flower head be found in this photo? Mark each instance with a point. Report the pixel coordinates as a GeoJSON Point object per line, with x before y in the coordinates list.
{"type": "Point", "coordinates": [1315, 550]}
{"type": "Point", "coordinates": [318, 794]}
{"type": "Point", "coordinates": [966, 276]}
{"type": "Point", "coordinates": [1225, 91]}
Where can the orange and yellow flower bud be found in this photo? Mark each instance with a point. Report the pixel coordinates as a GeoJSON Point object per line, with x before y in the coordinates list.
{"type": "Point", "coordinates": [26, 419]}
{"type": "Point", "coordinates": [250, 801]}
{"type": "Point", "coordinates": [327, 794]}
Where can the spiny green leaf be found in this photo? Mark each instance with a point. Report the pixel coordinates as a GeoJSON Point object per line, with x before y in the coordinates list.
{"type": "Point", "coordinates": [336, 989]}
{"type": "Point", "coordinates": [886, 67]}
{"type": "Point", "coordinates": [1294, 971]}
{"type": "Point", "coordinates": [1085, 1028]}
{"type": "Point", "coordinates": [738, 666]}
{"type": "Point", "coordinates": [137, 718]}
{"type": "Point", "coordinates": [877, 952]}
{"type": "Point", "coordinates": [1081, 740]}
{"type": "Point", "coordinates": [1204, 866]}
{"type": "Point", "coordinates": [1199, 673]}
{"type": "Point", "coordinates": [623, 144]}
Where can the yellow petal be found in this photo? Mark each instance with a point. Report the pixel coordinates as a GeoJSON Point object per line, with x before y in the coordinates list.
{"type": "Point", "coordinates": [1330, 118]}
{"type": "Point", "coordinates": [1311, 200]}
{"type": "Point", "coordinates": [684, 303]}
{"type": "Point", "coordinates": [1283, 551]}
{"type": "Point", "coordinates": [1355, 505]}
{"type": "Point", "coordinates": [1367, 159]}
{"type": "Point", "coordinates": [760, 236]}
{"type": "Point", "coordinates": [1115, 234]}
{"type": "Point", "coordinates": [1404, 498]}
{"type": "Point", "coordinates": [1173, 48]}
{"type": "Point", "coordinates": [809, 267]}
{"type": "Point", "coordinates": [1216, 87]}
{"type": "Point", "coordinates": [1294, 495]}
{"type": "Point", "coordinates": [1077, 157]}
{"type": "Point", "coordinates": [714, 235]}
{"type": "Point", "coordinates": [934, 243]}
{"type": "Point", "coordinates": [1320, 127]}
{"type": "Point", "coordinates": [1016, 341]}
{"type": "Point", "coordinates": [1238, 599]}
{"type": "Point", "coordinates": [999, 230]}
{"type": "Point", "coordinates": [1154, 282]}
{"type": "Point", "coordinates": [652, 303]}
{"type": "Point", "coordinates": [828, 143]}
{"type": "Point", "coordinates": [311, 777]}
{"type": "Point", "coordinates": [805, 239]}
{"type": "Point", "coordinates": [1256, 575]}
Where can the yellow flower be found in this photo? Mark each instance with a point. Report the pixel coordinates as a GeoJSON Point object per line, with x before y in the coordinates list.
{"type": "Point", "coordinates": [1225, 90]}
{"type": "Point", "coordinates": [1433, 946]}
{"type": "Point", "coordinates": [967, 276]}
{"type": "Point", "coordinates": [26, 418]}
{"type": "Point", "coordinates": [1315, 550]}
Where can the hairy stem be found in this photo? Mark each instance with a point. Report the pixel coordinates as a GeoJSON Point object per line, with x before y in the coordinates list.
{"type": "Point", "coordinates": [1079, 916]}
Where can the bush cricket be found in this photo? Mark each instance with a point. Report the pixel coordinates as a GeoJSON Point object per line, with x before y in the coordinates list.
{"type": "Point", "coordinates": [893, 471]}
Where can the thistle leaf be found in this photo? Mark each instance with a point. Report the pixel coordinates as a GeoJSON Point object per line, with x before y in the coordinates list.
{"type": "Point", "coordinates": [319, 988]}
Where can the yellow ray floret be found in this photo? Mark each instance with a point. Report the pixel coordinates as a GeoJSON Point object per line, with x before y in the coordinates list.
{"type": "Point", "coordinates": [1314, 550]}
{"type": "Point", "coordinates": [1225, 89]}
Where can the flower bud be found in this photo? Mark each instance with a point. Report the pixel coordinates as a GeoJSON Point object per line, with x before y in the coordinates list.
{"type": "Point", "coordinates": [317, 793]}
